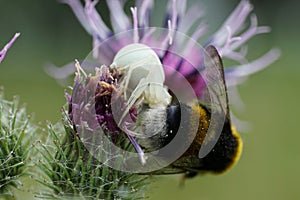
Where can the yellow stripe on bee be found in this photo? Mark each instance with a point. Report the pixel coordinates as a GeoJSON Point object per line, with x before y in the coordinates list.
{"type": "Point", "coordinates": [239, 148]}
{"type": "Point", "coordinates": [199, 123]}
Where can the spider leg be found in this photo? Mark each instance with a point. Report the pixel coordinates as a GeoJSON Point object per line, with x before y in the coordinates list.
{"type": "Point", "coordinates": [135, 95]}
{"type": "Point", "coordinates": [132, 74]}
{"type": "Point", "coordinates": [126, 83]}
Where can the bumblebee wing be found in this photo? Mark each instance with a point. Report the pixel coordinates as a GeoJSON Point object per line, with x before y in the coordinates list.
{"type": "Point", "coordinates": [216, 77]}
{"type": "Point", "coordinates": [216, 96]}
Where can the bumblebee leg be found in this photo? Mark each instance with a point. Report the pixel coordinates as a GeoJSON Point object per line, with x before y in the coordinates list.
{"type": "Point", "coordinates": [190, 174]}
{"type": "Point", "coordinates": [187, 175]}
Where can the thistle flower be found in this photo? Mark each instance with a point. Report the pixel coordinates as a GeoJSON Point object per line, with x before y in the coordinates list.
{"type": "Point", "coordinates": [7, 46]}
{"type": "Point", "coordinates": [90, 115]}
{"type": "Point", "coordinates": [177, 50]}
{"type": "Point", "coordinates": [176, 35]}
{"type": "Point", "coordinates": [77, 166]}
{"type": "Point", "coordinates": [16, 132]}
{"type": "Point", "coordinates": [230, 39]}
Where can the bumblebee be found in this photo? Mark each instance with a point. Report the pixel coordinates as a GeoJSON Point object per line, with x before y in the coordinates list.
{"type": "Point", "coordinates": [214, 144]}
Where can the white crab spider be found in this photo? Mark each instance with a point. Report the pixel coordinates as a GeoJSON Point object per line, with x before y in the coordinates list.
{"type": "Point", "coordinates": [144, 77]}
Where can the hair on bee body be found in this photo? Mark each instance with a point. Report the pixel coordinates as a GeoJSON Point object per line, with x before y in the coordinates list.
{"type": "Point", "coordinates": [193, 121]}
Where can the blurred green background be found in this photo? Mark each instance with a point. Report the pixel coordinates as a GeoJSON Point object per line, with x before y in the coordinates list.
{"type": "Point", "coordinates": [269, 166]}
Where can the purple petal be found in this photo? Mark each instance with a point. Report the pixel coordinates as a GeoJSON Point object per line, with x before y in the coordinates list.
{"type": "Point", "coordinates": [233, 74]}
{"type": "Point", "coordinates": [235, 22]}
{"type": "Point", "coordinates": [119, 20]}
{"type": "Point", "coordinates": [138, 149]}
{"type": "Point", "coordinates": [95, 20]}
{"type": "Point", "coordinates": [144, 9]}
{"type": "Point", "coordinates": [7, 46]}
{"type": "Point", "coordinates": [79, 12]}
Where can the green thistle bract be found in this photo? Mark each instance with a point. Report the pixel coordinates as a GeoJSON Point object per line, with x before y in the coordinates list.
{"type": "Point", "coordinates": [72, 170]}
{"type": "Point", "coordinates": [15, 134]}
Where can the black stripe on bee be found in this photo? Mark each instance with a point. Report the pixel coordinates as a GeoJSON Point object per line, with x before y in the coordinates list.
{"type": "Point", "coordinates": [178, 120]}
